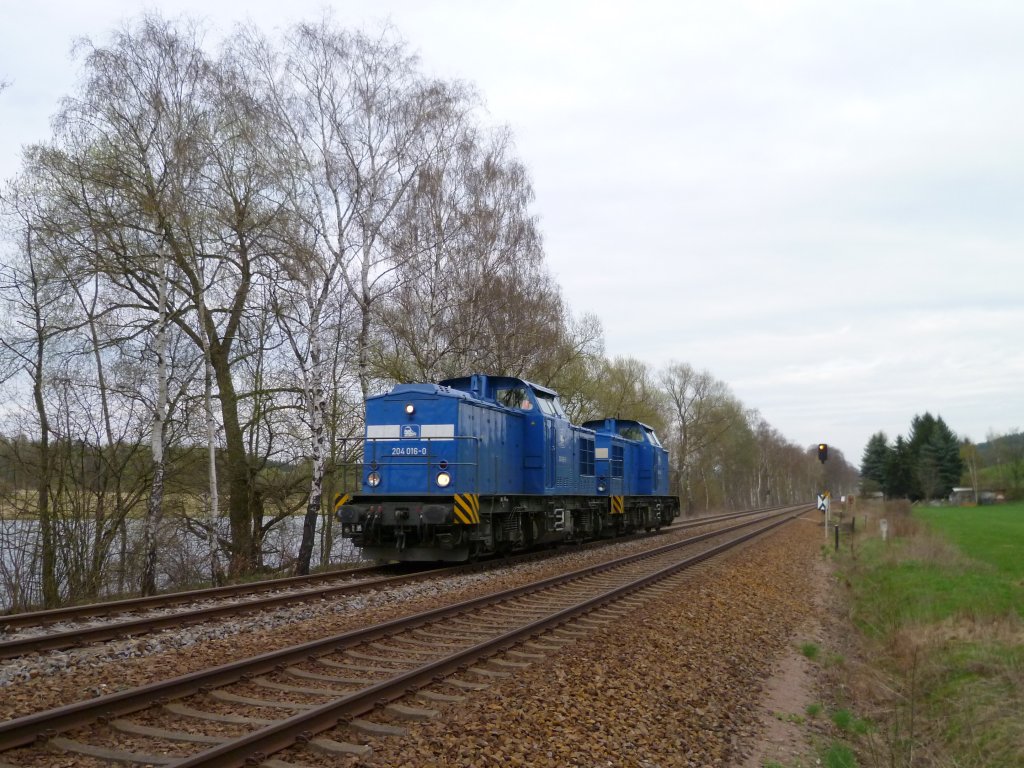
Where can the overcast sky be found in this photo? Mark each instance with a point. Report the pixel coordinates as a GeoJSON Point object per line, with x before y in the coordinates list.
{"type": "Point", "coordinates": [821, 203]}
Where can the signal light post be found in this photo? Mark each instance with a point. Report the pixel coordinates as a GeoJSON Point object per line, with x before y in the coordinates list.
{"type": "Point", "coordinates": [825, 498]}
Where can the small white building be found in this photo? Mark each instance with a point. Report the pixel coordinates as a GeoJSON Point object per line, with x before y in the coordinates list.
{"type": "Point", "coordinates": [963, 495]}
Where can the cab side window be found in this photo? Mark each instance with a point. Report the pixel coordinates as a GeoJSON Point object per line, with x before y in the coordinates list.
{"type": "Point", "coordinates": [586, 456]}
{"type": "Point", "coordinates": [513, 397]}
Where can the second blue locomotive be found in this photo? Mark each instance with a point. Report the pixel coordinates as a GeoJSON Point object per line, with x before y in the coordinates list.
{"type": "Point", "coordinates": [487, 464]}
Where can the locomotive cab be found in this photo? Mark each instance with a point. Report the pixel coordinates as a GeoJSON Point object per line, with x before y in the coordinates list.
{"type": "Point", "coordinates": [632, 469]}
{"type": "Point", "coordinates": [439, 460]}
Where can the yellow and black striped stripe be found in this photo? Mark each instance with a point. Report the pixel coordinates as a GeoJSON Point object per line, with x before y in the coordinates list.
{"type": "Point", "coordinates": [467, 508]}
{"type": "Point", "coordinates": [341, 499]}
{"type": "Point", "coordinates": [617, 504]}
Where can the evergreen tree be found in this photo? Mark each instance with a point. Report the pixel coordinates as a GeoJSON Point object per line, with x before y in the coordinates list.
{"type": "Point", "coordinates": [923, 460]}
{"type": "Point", "coordinates": [899, 470]}
{"type": "Point", "coordinates": [873, 464]}
{"type": "Point", "coordinates": [948, 459]}
{"type": "Point", "coordinates": [935, 457]}
{"type": "Point", "coordinates": [925, 465]}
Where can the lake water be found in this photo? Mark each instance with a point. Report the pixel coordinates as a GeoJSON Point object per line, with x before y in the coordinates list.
{"type": "Point", "coordinates": [184, 557]}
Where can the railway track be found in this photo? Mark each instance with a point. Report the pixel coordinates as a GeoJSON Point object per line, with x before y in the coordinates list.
{"type": "Point", "coordinates": [240, 713]}
{"type": "Point", "coordinates": [63, 628]}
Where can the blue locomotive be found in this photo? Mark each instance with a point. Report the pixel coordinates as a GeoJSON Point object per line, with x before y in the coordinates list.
{"type": "Point", "coordinates": [489, 464]}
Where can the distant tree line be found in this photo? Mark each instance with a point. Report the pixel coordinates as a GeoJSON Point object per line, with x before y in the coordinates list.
{"type": "Point", "coordinates": [924, 465]}
{"type": "Point", "coordinates": [222, 250]}
{"type": "Point", "coordinates": [997, 465]}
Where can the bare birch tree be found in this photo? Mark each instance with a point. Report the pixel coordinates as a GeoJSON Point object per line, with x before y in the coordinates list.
{"type": "Point", "coordinates": [703, 411]}
{"type": "Point", "coordinates": [172, 139]}
{"type": "Point", "coordinates": [31, 298]}
{"type": "Point", "coordinates": [353, 124]}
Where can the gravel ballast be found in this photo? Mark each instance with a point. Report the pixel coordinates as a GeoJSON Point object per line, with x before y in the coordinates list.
{"type": "Point", "coordinates": [675, 685]}
{"type": "Point", "coordinates": [45, 680]}
{"type": "Point", "coordinates": [678, 684]}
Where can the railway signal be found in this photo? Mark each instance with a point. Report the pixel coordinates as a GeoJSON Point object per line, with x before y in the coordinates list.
{"type": "Point", "coordinates": [822, 452]}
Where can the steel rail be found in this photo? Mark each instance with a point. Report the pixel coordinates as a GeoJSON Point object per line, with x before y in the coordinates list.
{"type": "Point", "coordinates": [76, 637]}
{"type": "Point", "coordinates": [80, 636]}
{"type": "Point", "coordinates": [70, 613]}
{"type": "Point", "coordinates": [26, 729]}
{"type": "Point", "coordinates": [73, 612]}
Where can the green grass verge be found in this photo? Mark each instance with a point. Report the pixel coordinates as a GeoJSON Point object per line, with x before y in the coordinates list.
{"type": "Point", "coordinates": [810, 650]}
{"type": "Point", "coordinates": [943, 606]}
{"type": "Point", "coordinates": [838, 756]}
{"type": "Point", "coordinates": [993, 535]}
{"type": "Point", "coordinates": [977, 575]}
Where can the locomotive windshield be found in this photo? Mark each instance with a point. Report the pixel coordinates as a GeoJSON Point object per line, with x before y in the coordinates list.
{"type": "Point", "coordinates": [549, 405]}
{"type": "Point", "coordinates": [523, 398]}
{"type": "Point", "coordinates": [631, 431]}
{"type": "Point", "coordinates": [638, 432]}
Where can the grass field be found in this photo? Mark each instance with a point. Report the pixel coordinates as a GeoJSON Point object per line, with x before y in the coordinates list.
{"type": "Point", "coordinates": [941, 609]}
{"type": "Point", "coordinates": [993, 535]}
{"type": "Point", "coordinates": [967, 564]}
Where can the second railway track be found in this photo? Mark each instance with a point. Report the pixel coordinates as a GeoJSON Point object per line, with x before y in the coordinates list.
{"type": "Point", "coordinates": [75, 626]}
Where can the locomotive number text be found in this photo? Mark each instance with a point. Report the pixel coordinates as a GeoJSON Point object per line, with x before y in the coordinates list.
{"type": "Point", "coordinates": [398, 451]}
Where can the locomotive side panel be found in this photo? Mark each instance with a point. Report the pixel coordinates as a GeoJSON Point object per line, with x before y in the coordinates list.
{"type": "Point", "coordinates": [660, 486]}
{"type": "Point", "coordinates": [536, 466]}
{"type": "Point", "coordinates": [566, 449]}
{"type": "Point", "coordinates": [493, 447]}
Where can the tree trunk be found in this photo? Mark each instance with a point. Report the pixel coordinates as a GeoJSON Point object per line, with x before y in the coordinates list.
{"type": "Point", "coordinates": [363, 347]}
{"type": "Point", "coordinates": [155, 506]}
{"type": "Point", "coordinates": [50, 587]}
{"type": "Point", "coordinates": [317, 411]}
{"type": "Point", "coordinates": [51, 591]}
{"type": "Point", "coordinates": [241, 511]}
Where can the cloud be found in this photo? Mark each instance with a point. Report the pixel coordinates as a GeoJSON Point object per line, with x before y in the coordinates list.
{"type": "Point", "coordinates": [818, 202]}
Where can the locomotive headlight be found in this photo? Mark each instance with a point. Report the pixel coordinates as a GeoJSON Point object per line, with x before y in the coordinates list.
{"type": "Point", "coordinates": [373, 479]}
{"type": "Point", "coordinates": [443, 478]}
{"type": "Point", "coordinates": [601, 486]}
{"type": "Point", "coordinates": [410, 409]}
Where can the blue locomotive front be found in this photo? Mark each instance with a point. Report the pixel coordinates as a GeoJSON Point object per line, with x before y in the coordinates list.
{"type": "Point", "coordinates": [476, 465]}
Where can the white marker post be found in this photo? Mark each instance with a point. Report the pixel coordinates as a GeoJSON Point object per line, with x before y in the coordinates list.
{"type": "Point", "coordinates": [823, 505]}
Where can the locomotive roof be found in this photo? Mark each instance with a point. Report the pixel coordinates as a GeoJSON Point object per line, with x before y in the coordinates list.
{"type": "Point", "coordinates": [460, 387]}
{"type": "Point", "coordinates": [462, 382]}
{"type": "Point", "coordinates": [601, 422]}
{"type": "Point", "coordinates": [422, 388]}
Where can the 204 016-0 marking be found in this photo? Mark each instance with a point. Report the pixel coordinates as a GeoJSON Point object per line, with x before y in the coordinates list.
{"type": "Point", "coordinates": [413, 451]}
